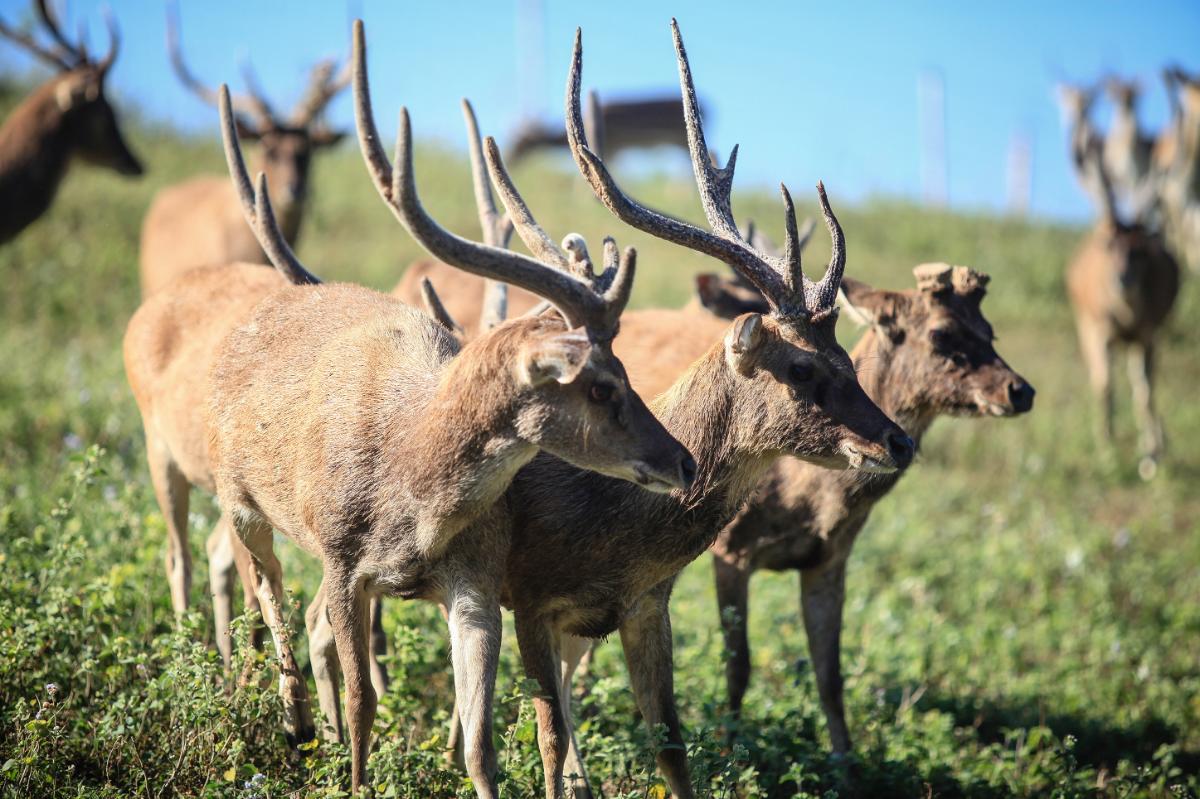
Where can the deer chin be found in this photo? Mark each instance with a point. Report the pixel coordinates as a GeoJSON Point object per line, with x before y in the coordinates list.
{"type": "Point", "coordinates": [985, 407]}
{"type": "Point", "coordinates": [858, 460]}
{"type": "Point", "coordinates": [646, 476]}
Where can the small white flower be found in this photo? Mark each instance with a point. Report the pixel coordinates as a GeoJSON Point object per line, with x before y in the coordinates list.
{"type": "Point", "coordinates": [72, 442]}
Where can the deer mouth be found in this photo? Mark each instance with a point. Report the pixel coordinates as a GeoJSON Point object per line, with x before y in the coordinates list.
{"type": "Point", "coordinates": [860, 460]}
{"type": "Point", "coordinates": [655, 480]}
{"type": "Point", "coordinates": [987, 407]}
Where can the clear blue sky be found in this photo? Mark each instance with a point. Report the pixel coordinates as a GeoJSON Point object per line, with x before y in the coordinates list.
{"type": "Point", "coordinates": [810, 90]}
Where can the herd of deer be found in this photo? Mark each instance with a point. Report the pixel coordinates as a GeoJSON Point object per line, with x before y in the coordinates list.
{"type": "Point", "coordinates": [493, 449]}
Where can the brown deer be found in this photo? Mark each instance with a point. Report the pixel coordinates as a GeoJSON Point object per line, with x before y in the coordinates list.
{"type": "Point", "coordinates": [589, 557]}
{"type": "Point", "coordinates": [927, 352]}
{"type": "Point", "coordinates": [199, 221]}
{"type": "Point", "coordinates": [356, 426]}
{"type": "Point", "coordinates": [1122, 283]}
{"type": "Point", "coordinates": [67, 116]}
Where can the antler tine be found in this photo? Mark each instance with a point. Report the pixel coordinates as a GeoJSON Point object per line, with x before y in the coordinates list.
{"type": "Point", "coordinates": [497, 229]}
{"type": "Point", "coordinates": [794, 274]}
{"type": "Point", "coordinates": [25, 40]}
{"type": "Point", "coordinates": [114, 42]}
{"type": "Point", "coordinates": [256, 99]}
{"type": "Point", "coordinates": [435, 308]}
{"type": "Point", "coordinates": [574, 299]}
{"type": "Point", "coordinates": [323, 86]}
{"type": "Point", "coordinates": [530, 232]}
{"type": "Point", "coordinates": [822, 297]}
{"type": "Point", "coordinates": [256, 202]}
{"type": "Point", "coordinates": [191, 82]}
{"type": "Point", "coordinates": [47, 18]}
{"type": "Point", "coordinates": [732, 250]}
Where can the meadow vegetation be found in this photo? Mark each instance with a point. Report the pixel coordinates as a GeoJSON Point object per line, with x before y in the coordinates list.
{"type": "Point", "coordinates": [1022, 614]}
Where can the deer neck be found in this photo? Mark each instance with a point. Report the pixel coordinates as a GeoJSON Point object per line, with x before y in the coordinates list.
{"type": "Point", "coordinates": [898, 396]}
{"type": "Point", "coordinates": [464, 450]}
{"type": "Point", "coordinates": [35, 150]}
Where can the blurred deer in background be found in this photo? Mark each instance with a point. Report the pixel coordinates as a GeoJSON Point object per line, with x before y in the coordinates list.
{"type": "Point", "coordinates": [199, 222]}
{"type": "Point", "coordinates": [1122, 283]}
{"type": "Point", "coordinates": [1178, 165]}
{"type": "Point", "coordinates": [67, 116]}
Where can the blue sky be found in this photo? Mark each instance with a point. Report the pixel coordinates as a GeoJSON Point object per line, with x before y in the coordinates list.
{"type": "Point", "coordinates": [809, 90]}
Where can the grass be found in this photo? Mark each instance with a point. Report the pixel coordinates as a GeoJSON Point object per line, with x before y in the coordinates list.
{"type": "Point", "coordinates": [1022, 615]}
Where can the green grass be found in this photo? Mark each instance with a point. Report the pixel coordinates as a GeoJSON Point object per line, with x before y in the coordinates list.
{"type": "Point", "coordinates": [1022, 617]}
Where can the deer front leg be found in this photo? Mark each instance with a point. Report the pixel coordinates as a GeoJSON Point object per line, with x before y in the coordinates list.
{"type": "Point", "coordinates": [222, 569]}
{"type": "Point", "coordinates": [349, 615]}
{"type": "Point", "coordinates": [646, 639]}
{"type": "Point", "coordinates": [268, 575]}
{"type": "Point", "coordinates": [733, 604]}
{"type": "Point", "coordinates": [540, 657]}
{"type": "Point", "coordinates": [327, 669]}
{"type": "Point", "coordinates": [379, 675]}
{"type": "Point", "coordinates": [475, 629]}
{"type": "Point", "coordinates": [822, 591]}
{"type": "Point", "coordinates": [250, 603]}
{"type": "Point", "coordinates": [573, 651]}
{"type": "Point", "coordinates": [171, 490]}
{"type": "Point", "coordinates": [1097, 356]}
{"type": "Point", "coordinates": [1150, 434]}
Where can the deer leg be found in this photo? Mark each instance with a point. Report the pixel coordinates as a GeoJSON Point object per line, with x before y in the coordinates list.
{"type": "Point", "coordinates": [268, 575]}
{"type": "Point", "coordinates": [540, 657]}
{"type": "Point", "coordinates": [822, 591]}
{"type": "Point", "coordinates": [1150, 435]}
{"type": "Point", "coordinates": [379, 675]}
{"type": "Point", "coordinates": [250, 604]}
{"type": "Point", "coordinates": [733, 602]}
{"type": "Point", "coordinates": [646, 639]}
{"type": "Point", "coordinates": [222, 569]}
{"type": "Point", "coordinates": [572, 652]}
{"type": "Point", "coordinates": [171, 490]}
{"type": "Point", "coordinates": [349, 615]}
{"type": "Point", "coordinates": [475, 629]}
{"type": "Point", "coordinates": [1097, 356]}
{"type": "Point", "coordinates": [327, 669]}
{"type": "Point", "coordinates": [454, 737]}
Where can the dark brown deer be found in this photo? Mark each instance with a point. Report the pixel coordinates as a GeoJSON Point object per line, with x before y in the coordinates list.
{"type": "Point", "coordinates": [66, 117]}
{"type": "Point", "coordinates": [199, 222]}
{"type": "Point", "coordinates": [926, 353]}
{"type": "Point", "coordinates": [589, 557]}
{"type": "Point", "coordinates": [1122, 283]}
{"type": "Point", "coordinates": [357, 427]}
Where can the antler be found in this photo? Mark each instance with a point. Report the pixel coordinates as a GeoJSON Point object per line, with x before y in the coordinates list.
{"type": "Point", "coordinates": [581, 302]}
{"type": "Point", "coordinates": [256, 201]}
{"type": "Point", "coordinates": [253, 103]}
{"type": "Point", "coordinates": [436, 310]}
{"type": "Point", "coordinates": [497, 229]}
{"type": "Point", "coordinates": [323, 86]}
{"type": "Point", "coordinates": [780, 279]}
{"type": "Point", "coordinates": [64, 55]}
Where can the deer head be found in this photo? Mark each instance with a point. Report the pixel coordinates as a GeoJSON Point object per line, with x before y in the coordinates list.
{"type": "Point", "coordinates": [286, 143]}
{"type": "Point", "coordinates": [79, 87]}
{"type": "Point", "coordinates": [1123, 93]}
{"type": "Point", "coordinates": [574, 395]}
{"type": "Point", "coordinates": [939, 345]}
{"type": "Point", "coordinates": [787, 369]}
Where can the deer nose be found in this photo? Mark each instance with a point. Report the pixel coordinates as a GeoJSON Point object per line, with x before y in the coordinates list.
{"type": "Point", "coordinates": [687, 471]}
{"type": "Point", "coordinates": [901, 448]}
{"type": "Point", "coordinates": [1020, 396]}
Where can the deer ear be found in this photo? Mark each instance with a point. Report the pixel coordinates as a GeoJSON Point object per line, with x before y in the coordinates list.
{"type": "Point", "coordinates": [245, 130]}
{"type": "Point", "coordinates": [742, 343]}
{"type": "Point", "coordinates": [327, 138]}
{"type": "Point", "coordinates": [559, 358]}
{"type": "Point", "coordinates": [869, 306]}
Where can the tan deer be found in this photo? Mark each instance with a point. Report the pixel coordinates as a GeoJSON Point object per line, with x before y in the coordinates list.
{"type": "Point", "coordinates": [66, 117]}
{"type": "Point", "coordinates": [357, 427]}
{"type": "Point", "coordinates": [590, 557]}
{"type": "Point", "coordinates": [926, 353]}
{"type": "Point", "coordinates": [1122, 283]}
{"type": "Point", "coordinates": [199, 222]}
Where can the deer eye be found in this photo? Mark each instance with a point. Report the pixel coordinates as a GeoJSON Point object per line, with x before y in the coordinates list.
{"type": "Point", "coordinates": [959, 359]}
{"type": "Point", "coordinates": [800, 373]}
{"type": "Point", "coordinates": [600, 393]}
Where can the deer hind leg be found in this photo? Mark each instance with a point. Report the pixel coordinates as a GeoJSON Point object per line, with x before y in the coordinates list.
{"type": "Point", "coordinates": [171, 490]}
{"type": "Point", "coordinates": [379, 675]}
{"type": "Point", "coordinates": [822, 592]}
{"type": "Point", "coordinates": [268, 576]}
{"type": "Point", "coordinates": [349, 615]}
{"type": "Point", "coordinates": [646, 639]}
{"type": "Point", "coordinates": [327, 669]}
{"type": "Point", "coordinates": [250, 603]}
{"type": "Point", "coordinates": [540, 656]}
{"type": "Point", "coordinates": [1150, 433]}
{"type": "Point", "coordinates": [454, 736]}
{"type": "Point", "coordinates": [1097, 357]}
{"type": "Point", "coordinates": [733, 603]}
{"type": "Point", "coordinates": [475, 628]}
{"type": "Point", "coordinates": [222, 569]}
{"type": "Point", "coordinates": [573, 650]}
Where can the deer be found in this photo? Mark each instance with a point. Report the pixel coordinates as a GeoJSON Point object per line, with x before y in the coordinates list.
{"type": "Point", "coordinates": [199, 221]}
{"type": "Point", "coordinates": [590, 557]}
{"type": "Point", "coordinates": [926, 353]}
{"type": "Point", "coordinates": [1177, 165]}
{"type": "Point", "coordinates": [1122, 283]}
{"type": "Point", "coordinates": [67, 117]}
{"type": "Point", "coordinates": [358, 428]}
